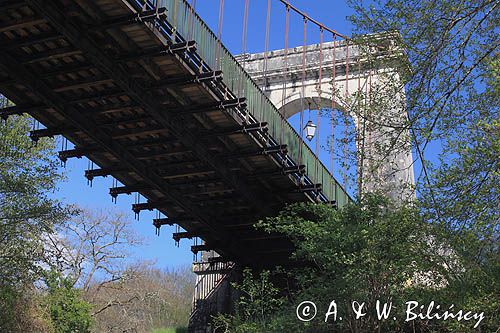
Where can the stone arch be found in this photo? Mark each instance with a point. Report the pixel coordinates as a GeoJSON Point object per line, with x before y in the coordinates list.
{"type": "Point", "coordinates": [287, 79]}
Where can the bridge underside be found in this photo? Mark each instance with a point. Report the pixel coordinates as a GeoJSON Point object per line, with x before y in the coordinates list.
{"type": "Point", "coordinates": [136, 99]}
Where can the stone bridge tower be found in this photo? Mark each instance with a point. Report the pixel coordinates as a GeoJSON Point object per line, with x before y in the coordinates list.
{"type": "Point", "coordinates": [385, 147]}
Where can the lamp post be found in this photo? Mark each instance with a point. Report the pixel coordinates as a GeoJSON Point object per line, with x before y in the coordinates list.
{"type": "Point", "coordinates": [310, 130]}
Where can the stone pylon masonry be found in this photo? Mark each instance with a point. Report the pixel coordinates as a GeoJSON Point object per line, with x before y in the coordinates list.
{"type": "Point", "coordinates": [383, 141]}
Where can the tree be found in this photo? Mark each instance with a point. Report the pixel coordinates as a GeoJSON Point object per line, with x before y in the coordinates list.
{"type": "Point", "coordinates": [368, 251]}
{"type": "Point", "coordinates": [28, 173]}
{"type": "Point", "coordinates": [68, 311]}
{"type": "Point", "coordinates": [453, 98]}
{"type": "Point", "coordinates": [148, 298]}
{"type": "Point", "coordinates": [259, 300]}
{"type": "Point", "coordinates": [92, 247]}
{"type": "Point", "coordinates": [93, 250]}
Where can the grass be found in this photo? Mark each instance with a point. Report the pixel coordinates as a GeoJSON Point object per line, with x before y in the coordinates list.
{"type": "Point", "coordinates": [170, 330]}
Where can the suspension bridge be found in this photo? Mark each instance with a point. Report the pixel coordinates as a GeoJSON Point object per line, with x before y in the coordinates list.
{"type": "Point", "coordinates": [149, 94]}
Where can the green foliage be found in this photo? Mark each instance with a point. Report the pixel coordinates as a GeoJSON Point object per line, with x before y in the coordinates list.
{"type": "Point", "coordinates": [27, 174]}
{"type": "Point", "coordinates": [367, 251]}
{"type": "Point", "coordinates": [259, 299]}
{"type": "Point", "coordinates": [25, 311]}
{"type": "Point", "coordinates": [453, 98]}
{"type": "Point", "coordinates": [68, 311]}
{"type": "Point", "coordinates": [258, 302]}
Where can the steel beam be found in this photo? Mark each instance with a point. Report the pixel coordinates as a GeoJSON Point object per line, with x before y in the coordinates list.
{"type": "Point", "coordinates": [18, 110]}
{"type": "Point", "coordinates": [223, 105]}
{"type": "Point", "coordinates": [51, 54]}
{"type": "Point", "coordinates": [164, 221]}
{"type": "Point", "coordinates": [279, 149]}
{"type": "Point", "coordinates": [82, 83]}
{"type": "Point", "coordinates": [97, 96]}
{"type": "Point", "coordinates": [20, 42]}
{"type": "Point", "coordinates": [243, 129]}
{"type": "Point", "coordinates": [187, 79]}
{"type": "Point", "coordinates": [115, 191]}
{"type": "Point", "coordinates": [66, 69]}
{"type": "Point", "coordinates": [64, 155]}
{"type": "Point", "coordinates": [20, 23]}
{"type": "Point", "coordinates": [177, 236]}
{"type": "Point", "coordinates": [199, 248]}
{"type": "Point", "coordinates": [186, 173]}
{"type": "Point", "coordinates": [142, 17]}
{"type": "Point", "coordinates": [77, 36]}
{"type": "Point", "coordinates": [309, 188]}
{"type": "Point", "coordinates": [91, 174]}
{"type": "Point", "coordinates": [159, 51]}
{"type": "Point", "coordinates": [138, 207]}
{"type": "Point", "coordinates": [299, 169]}
{"type": "Point", "coordinates": [36, 135]}
{"type": "Point", "coordinates": [11, 4]}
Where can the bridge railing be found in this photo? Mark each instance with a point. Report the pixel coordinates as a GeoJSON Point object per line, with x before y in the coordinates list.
{"type": "Point", "coordinates": [214, 55]}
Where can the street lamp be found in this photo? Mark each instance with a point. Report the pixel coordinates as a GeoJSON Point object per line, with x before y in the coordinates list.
{"type": "Point", "coordinates": [310, 130]}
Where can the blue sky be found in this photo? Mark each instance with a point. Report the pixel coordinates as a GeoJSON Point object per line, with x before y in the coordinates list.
{"type": "Point", "coordinates": [162, 249]}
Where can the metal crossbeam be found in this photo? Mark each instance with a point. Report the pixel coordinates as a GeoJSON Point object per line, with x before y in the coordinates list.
{"type": "Point", "coordinates": [20, 42]}
{"type": "Point", "coordinates": [187, 79]}
{"type": "Point", "coordinates": [300, 169]}
{"type": "Point", "coordinates": [186, 173]}
{"type": "Point", "coordinates": [82, 83]}
{"type": "Point", "coordinates": [199, 248]}
{"type": "Point", "coordinates": [163, 221]}
{"type": "Point", "coordinates": [20, 23]}
{"type": "Point", "coordinates": [309, 188]}
{"type": "Point", "coordinates": [159, 51]}
{"type": "Point", "coordinates": [91, 174]}
{"type": "Point", "coordinates": [263, 151]}
{"type": "Point", "coordinates": [177, 236]}
{"type": "Point", "coordinates": [243, 129]}
{"type": "Point", "coordinates": [64, 155]}
{"type": "Point", "coordinates": [223, 105]}
{"type": "Point", "coordinates": [171, 221]}
{"type": "Point", "coordinates": [77, 36]}
{"type": "Point", "coordinates": [115, 191]}
{"type": "Point", "coordinates": [138, 207]}
{"type": "Point", "coordinates": [97, 96]}
{"type": "Point", "coordinates": [11, 4]}
{"type": "Point", "coordinates": [18, 110]}
{"type": "Point", "coordinates": [52, 54]}
{"type": "Point", "coordinates": [36, 135]}
{"type": "Point", "coordinates": [142, 17]}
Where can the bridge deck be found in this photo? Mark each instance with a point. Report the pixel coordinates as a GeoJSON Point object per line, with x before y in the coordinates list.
{"type": "Point", "coordinates": [138, 100]}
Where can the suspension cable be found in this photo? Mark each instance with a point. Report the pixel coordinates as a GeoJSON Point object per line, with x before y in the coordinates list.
{"type": "Point", "coordinates": [303, 14]}
{"type": "Point", "coordinates": [346, 120]}
{"type": "Point", "coordinates": [218, 64]}
{"type": "Point", "coordinates": [244, 38]}
{"type": "Point", "coordinates": [334, 61]}
{"type": "Point", "coordinates": [266, 56]}
{"type": "Point", "coordinates": [283, 91]}
{"type": "Point", "coordinates": [266, 46]}
{"type": "Point", "coordinates": [319, 88]}
{"type": "Point", "coordinates": [303, 91]}
{"type": "Point", "coordinates": [359, 155]}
